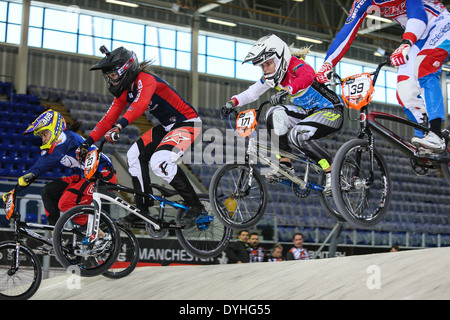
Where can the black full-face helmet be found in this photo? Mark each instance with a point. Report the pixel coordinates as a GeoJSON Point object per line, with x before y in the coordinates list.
{"type": "Point", "coordinates": [120, 68]}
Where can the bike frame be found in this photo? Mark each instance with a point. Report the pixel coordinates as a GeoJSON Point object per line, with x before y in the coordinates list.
{"type": "Point", "coordinates": [253, 151]}
{"type": "Point", "coordinates": [398, 142]}
{"type": "Point", "coordinates": [368, 122]}
{"type": "Point", "coordinates": [103, 192]}
{"type": "Point", "coordinates": [21, 228]}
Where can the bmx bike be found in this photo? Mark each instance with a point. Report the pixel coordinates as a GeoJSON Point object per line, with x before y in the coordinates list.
{"type": "Point", "coordinates": [361, 181]}
{"type": "Point", "coordinates": [239, 193]}
{"type": "Point", "coordinates": [207, 237]}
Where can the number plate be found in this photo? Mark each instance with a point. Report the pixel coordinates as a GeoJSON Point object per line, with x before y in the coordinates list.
{"type": "Point", "coordinates": [357, 90]}
{"type": "Point", "coordinates": [91, 164]}
{"type": "Point", "coordinates": [246, 122]}
{"type": "Point", "coordinates": [9, 207]}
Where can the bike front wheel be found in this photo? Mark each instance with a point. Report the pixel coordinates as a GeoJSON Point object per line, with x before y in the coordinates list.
{"type": "Point", "coordinates": [128, 255]}
{"type": "Point", "coordinates": [208, 237]}
{"type": "Point", "coordinates": [327, 201]}
{"type": "Point", "coordinates": [18, 282]}
{"type": "Point", "coordinates": [73, 247]}
{"type": "Point", "coordinates": [362, 195]}
{"type": "Point", "coordinates": [238, 195]}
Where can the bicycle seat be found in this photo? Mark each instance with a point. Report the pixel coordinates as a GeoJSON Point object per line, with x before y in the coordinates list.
{"type": "Point", "coordinates": [164, 191]}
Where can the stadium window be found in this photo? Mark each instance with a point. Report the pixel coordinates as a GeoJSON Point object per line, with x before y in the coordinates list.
{"type": "Point", "coordinates": [15, 13]}
{"type": "Point", "coordinates": [311, 60]}
{"type": "Point", "coordinates": [93, 33]}
{"type": "Point", "coordinates": [246, 71]}
{"type": "Point", "coordinates": [391, 87]}
{"type": "Point", "coordinates": [2, 32]}
{"type": "Point", "coordinates": [167, 58]}
{"type": "Point", "coordinates": [152, 54]}
{"type": "Point", "coordinates": [13, 19]}
{"type": "Point", "coordinates": [183, 50]}
{"type": "Point", "coordinates": [220, 58]}
{"type": "Point", "coordinates": [79, 32]}
{"type": "Point", "coordinates": [128, 32]}
{"type": "Point", "coordinates": [167, 45]}
{"type": "Point", "coordinates": [61, 41]}
{"type": "Point", "coordinates": [3, 11]}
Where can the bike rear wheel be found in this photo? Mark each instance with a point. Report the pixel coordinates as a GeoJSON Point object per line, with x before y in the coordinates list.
{"type": "Point", "coordinates": [20, 284]}
{"type": "Point", "coordinates": [128, 255]}
{"type": "Point", "coordinates": [361, 203]}
{"type": "Point", "coordinates": [208, 237]}
{"type": "Point", "coordinates": [239, 195]}
{"type": "Point", "coordinates": [73, 248]}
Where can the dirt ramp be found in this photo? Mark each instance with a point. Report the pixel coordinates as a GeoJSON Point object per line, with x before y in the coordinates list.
{"type": "Point", "coordinates": [416, 274]}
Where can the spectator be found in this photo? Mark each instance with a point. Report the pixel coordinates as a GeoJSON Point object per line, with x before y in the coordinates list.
{"type": "Point", "coordinates": [238, 251]}
{"type": "Point", "coordinates": [297, 252]}
{"type": "Point", "coordinates": [276, 253]}
{"type": "Point", "coordinates": [395, 248]}
{"type": "Point", "coordinates": [256, 253]}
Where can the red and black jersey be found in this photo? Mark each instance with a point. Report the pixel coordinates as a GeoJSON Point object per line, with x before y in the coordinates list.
{"type": "Point", "coordinates": [149, 92]}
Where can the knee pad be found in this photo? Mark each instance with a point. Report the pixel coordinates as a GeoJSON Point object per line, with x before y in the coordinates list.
{"type": "Point", "coordinates": [408, 93]}
{"type": "Point", "coordinates": [278, 120]}
{"type": "Point", "coordinates": [299, 134]}
{"type": "Point", "coordinates": [163, 164]}
{"type": "Point", "coordinates": [134, 166]}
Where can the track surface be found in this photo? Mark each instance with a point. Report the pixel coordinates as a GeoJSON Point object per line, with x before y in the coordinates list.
{"type": "Point", "coordinates": [418, 274]}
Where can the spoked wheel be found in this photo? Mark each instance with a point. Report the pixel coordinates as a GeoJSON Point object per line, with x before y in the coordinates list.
{"type": "Point", "coordinates": [73, 247]}
{"type": "Point", "coordinates": [128, 255]}
{"type": "Point", "coordinates": [239, 195]}
{"type": "Point", "coordinates": [327, 201]}
{"type": "Point", "coordinates": [361, 198]}
{"type": "Point", "coordinates": [208, 237]}
{"type": "Point", "coordinates": [23, 282]}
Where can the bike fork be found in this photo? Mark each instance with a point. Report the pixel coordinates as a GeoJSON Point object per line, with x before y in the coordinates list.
{"type": "Point", "coordinates": [15, 266]}
{"type": "Point", "coordinates": [94, 221]}
{"type": "Point", "coordinates": [370, 179]}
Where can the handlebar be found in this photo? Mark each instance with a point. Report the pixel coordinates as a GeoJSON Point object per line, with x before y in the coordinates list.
{"type": "Point", "coordinates": [333, 76]}
{"type": "Point", "coordinates": [258, 110]}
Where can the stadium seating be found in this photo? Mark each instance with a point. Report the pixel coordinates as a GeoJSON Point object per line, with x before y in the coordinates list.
{"type": "Point", "coordinates": [18, 152]}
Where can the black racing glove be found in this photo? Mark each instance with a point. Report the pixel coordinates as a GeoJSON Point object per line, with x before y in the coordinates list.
{"type": "Point", "coordinates": [278, 98]}
{"type": "Point", "coordinates": [226, 109]}
{"type": "Point", "coordinates": [82, 151]}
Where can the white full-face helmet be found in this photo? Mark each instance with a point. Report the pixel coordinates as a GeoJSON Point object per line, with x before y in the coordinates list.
{"type": "Point", "coordinates": [271, 47]}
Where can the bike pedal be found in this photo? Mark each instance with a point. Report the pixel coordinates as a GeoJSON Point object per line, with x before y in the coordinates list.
{"type": "Point", "coordinates": [273, 180]}
{"type": "Point", "coordinates": [204, 218]}
{"type": "Point", "coordinates": [426, 153]}
{"type": "Point", "coordinates": [203, 221]}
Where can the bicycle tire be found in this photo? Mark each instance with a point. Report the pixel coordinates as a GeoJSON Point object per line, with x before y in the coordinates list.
{"type": "Point", "coordinates": [10, 282]}
{"type": "Point", "coordinates": [128, 255]}
{"type": "Point", "coordinates": [247, 208]}
{"type": "Point", "coordinates": [91, 261]}
{"type": "Point", "coordinates": [204, 240]}
{"type": "Point", "coordinates": [328, 203]}
{"type": "Point", "coordinates": [361, 204]}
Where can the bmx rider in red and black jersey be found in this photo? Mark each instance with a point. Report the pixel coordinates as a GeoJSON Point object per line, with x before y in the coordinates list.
{"type": "Point", "coordinates": [132, 83]}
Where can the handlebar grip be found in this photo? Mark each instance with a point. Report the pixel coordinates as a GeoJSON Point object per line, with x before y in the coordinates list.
{"type": "Point", "coordinates": [115, 136]}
